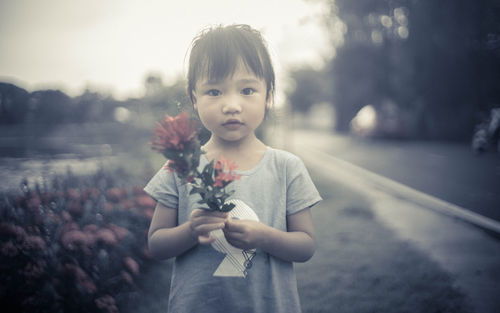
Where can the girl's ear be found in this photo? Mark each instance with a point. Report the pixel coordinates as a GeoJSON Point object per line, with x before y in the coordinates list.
{"type": "Point", "coordinates": [269, 102]}
{"type": "Point", "coordinates": [194, 100]}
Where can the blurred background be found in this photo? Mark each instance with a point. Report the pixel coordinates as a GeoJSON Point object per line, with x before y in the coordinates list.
{"type": "Point", "coordinates": [87, 80]}
{"type": "Point", "coordinates": [406, 89]}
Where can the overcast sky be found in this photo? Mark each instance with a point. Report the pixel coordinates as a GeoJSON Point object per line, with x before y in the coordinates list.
{"type": "Point", "coordinates": [112, 44]}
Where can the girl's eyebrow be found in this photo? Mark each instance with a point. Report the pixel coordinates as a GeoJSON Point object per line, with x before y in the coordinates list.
{"type": "Point", "coordinates": [208, 83]}
{"type": "Point", "coordinates": [248, 81]}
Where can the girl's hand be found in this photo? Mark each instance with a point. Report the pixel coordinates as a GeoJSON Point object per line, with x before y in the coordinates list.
{"type": "Point", "coordinates": [202, 222]}
{"type": "Point", "coordinates": [244, 234]}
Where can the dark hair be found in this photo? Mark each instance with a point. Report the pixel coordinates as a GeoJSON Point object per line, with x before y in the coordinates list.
{"type": "Point", "coordinates": [216, 51]}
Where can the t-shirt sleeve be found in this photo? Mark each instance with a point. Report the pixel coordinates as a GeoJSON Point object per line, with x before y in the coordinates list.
{"type": "Point", "coordinates": [163, 188]}
{"type": "Point", "coordinates": [301, 192]}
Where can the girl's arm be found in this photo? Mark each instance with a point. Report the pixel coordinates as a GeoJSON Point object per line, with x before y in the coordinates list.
{"type": "Point", "coordinates": [166, 239]}
{"type": "Point", "coordinates": [296, 245]}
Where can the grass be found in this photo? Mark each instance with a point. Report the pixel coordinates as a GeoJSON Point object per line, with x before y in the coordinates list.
{"type": "Point", "coordinates": [361, 266]}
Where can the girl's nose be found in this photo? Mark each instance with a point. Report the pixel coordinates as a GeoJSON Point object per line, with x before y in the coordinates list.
{"type": "Point", "coordinates": [231, 105]}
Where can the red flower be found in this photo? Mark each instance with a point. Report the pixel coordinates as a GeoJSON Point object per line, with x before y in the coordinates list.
{"type": "Point", "coordinates": [120, 232]}
{"type": "Point", "coordinates": [81, 277]}
{"type": "Point", "coordinates": [90, 193]}
{"type": "Point", "coordinates": [107, 236]}
{"type": "Point", "coordinates": [34, 270]}
{"type": "Point", "coordinates": [174, 133]}
{"type": "Point", "coordinates": [224, 172]}
{"type": "Point", "coordinates": [131, 265]}
{"type": "Point", "coordinates": [148, 213]}
{"type": "Point", "coordinates": [66, 216]}
{"type": "Point", "coordinates": [145, 201]}
{"type": "Point", "coordinates": [74, 238]}
{"type": "Point", "coordinates": [73, 194]}
{"type": "Point", "coordinates": [75, 208]}
{"type": "Point", "coordinates": [116, 194]}
{"type": "Point", "coordinates": [127, 277]}
{"type": "Point", "coordinates": [107, 304]}
{"type": "Point", "coordinates": [13, 231]}
{"type": "Point", "coordinates": [126, 204]}
{"type": "Point", "coordinates": [33, 243]}
{"type": "Point", "coordinates": [9, 249]}
{"type": "Point", "coordinates": [90, 228]}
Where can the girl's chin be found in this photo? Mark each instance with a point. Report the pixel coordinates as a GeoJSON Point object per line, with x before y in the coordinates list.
{"type": "Point", "coordinates": [232, 137]}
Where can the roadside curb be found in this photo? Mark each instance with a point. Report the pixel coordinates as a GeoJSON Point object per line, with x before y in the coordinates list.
{"type": "Point", "coordinates": [360, 177]}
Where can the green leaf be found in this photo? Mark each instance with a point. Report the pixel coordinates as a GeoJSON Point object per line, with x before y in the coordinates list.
{"type": "Point", "coordinates": [226, 207]}
{"type": "Point", "coordinates": [196, 189]}
{"type": "Point", "coordinates": [207, 173]}
{"type": "Point", "coordinates": [172, 154]}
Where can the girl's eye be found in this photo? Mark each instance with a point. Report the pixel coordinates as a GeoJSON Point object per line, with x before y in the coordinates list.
{"type": "Point", "coordinates": [248, 91]}
{"type": "Point", "coordinates": [213, 92]}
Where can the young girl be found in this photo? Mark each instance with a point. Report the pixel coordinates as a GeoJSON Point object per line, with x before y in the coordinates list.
{"type": "Point", "coordinates": [231, 85]}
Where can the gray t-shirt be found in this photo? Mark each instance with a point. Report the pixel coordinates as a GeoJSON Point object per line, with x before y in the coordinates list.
{"type": "Point", "coordinates": [279, 185]}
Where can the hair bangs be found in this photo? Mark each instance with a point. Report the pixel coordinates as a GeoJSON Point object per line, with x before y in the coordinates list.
{"type": "Point", "coordinates": [216, 53]}
{"type": "Point", "coordinates": [222, 57]}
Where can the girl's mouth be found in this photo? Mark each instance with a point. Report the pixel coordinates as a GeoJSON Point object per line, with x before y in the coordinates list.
{"type": "Point", "coordinates": [232, 124]}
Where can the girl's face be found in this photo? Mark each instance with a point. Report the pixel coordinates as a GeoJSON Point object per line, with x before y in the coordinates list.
{"type": "Point", "coordinates": [233, 108]}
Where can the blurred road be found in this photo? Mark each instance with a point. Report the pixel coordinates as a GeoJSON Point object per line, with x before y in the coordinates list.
{"type": "Point", "coordinates": [469, 254]}
{"type": "Point", "coordinates": [447, 171]}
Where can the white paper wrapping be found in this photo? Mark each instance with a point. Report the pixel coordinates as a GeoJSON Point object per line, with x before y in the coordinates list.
{"type": "Point", "coordinates": [233, 264]}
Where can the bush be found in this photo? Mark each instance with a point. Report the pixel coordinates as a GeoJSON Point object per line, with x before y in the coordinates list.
{"type": "Point", "coordinates": [76, 244]}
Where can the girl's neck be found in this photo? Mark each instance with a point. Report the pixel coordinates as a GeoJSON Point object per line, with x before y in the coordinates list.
{"type": "Point", "coordinates": [245, 153]}
{"type": "Point", "coordinates": [219, 145]}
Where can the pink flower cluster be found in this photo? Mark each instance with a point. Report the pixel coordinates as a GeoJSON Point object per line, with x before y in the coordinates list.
{"type": "Point", "coordinates": [106, 304]}
{"type": "Point", "coordinates": [75, 244]}
{"type": "Point", "coordinates": [177, 139]}
{"type": "Point", "coordinates": [224, 172]}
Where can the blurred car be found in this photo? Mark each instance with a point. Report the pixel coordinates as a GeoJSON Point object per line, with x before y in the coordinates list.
{"type": "Point", "coordinates": [385, 121]}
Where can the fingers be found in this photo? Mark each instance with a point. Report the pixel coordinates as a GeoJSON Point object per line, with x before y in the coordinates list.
{"type": "Point", "coordinates": [206, 239]}
{"type": "Point", "coordinates": [206, 228]}
{"type": "Point", "coordinates": [199, 217]}
{"type": "Point", "coordinates": [234, 226]}
{"type": "Point", "coordinates": [205, 213]}
{"type": "Point", "coordinates": [232, 237]}
{"type": "Point", "coordinates": [236, 243]}
{"type": "Point", "coordinates": [234, 231]}
{"type": "Point", "coordinates": [202, 232]}
{"type": "Point", "coordinates": [203, 222]}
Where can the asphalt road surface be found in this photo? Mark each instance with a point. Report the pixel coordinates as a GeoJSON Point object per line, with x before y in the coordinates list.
{"type": "Point", "coordinates": [448, 171]}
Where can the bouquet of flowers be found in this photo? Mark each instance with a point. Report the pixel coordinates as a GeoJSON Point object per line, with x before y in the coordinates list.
{"type": "Point", "coordinates": [177, 139]}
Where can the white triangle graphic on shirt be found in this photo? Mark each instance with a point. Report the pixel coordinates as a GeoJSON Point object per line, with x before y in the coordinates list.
{"type": "Point", "coordinates": [233, 265]}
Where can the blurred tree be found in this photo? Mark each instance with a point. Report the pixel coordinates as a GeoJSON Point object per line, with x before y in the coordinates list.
{"type": "Point", "coordinates": [153, 84]}
{"type": "Point", "coordinates": [166, 98]}
{"type": "Point", "coordinates": [86, 106]}
{"type": "Point", "coordinates": [92, 106]}
{"type": "Point", "coordinates": [309, 87]}
{"type": "Point", "coordinates": [433, 59]}
{"type": "Point", "coordinates": [364, 69]}
{"type": "Point", "coordinates": [49, 107]}
{"type": "Point", "coordinates": [444, 61]}
{"type": "Point", "coordinates": [13, 104]}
